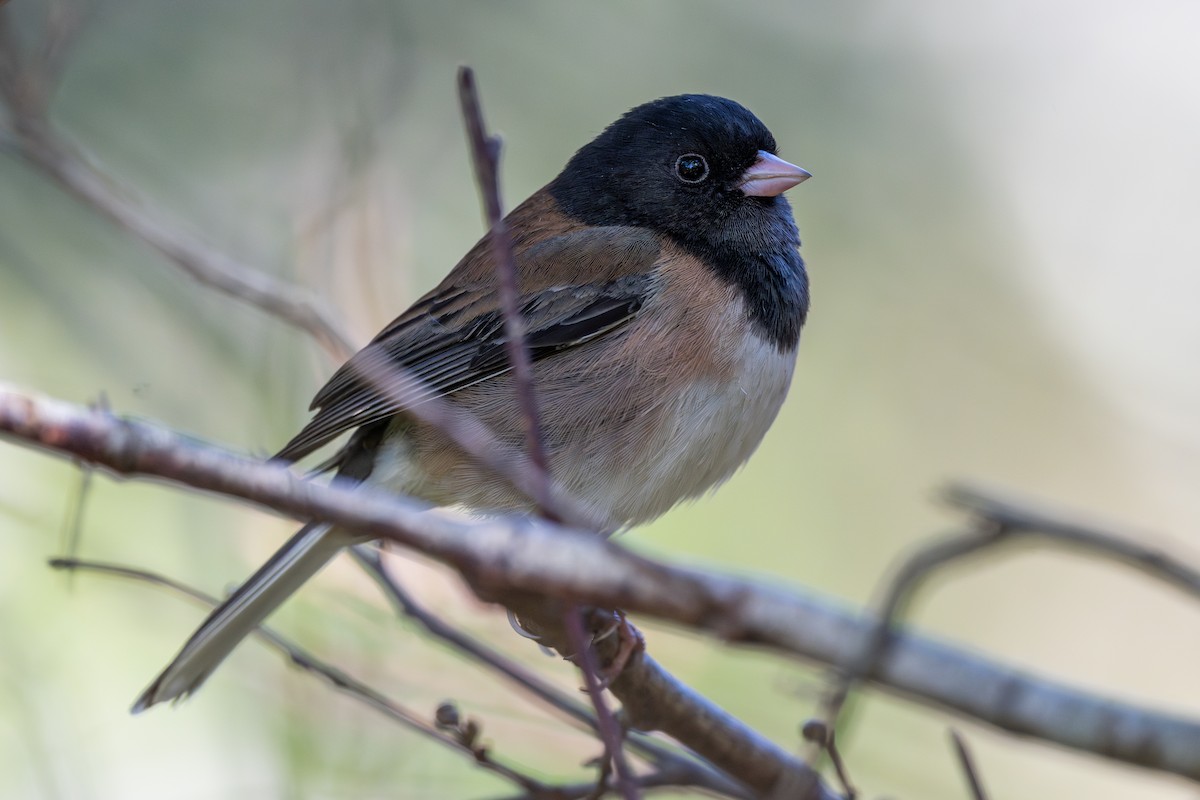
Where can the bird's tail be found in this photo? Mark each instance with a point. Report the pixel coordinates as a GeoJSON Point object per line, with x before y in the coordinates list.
{"type": "Point", "coordinates": [294, 563]}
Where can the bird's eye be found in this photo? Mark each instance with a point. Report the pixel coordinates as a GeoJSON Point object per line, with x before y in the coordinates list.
{"type": "Point", "coordinates": [691, 168]}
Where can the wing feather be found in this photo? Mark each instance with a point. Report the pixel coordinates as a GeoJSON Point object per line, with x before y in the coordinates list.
{"type": "Point", "coordinates": [454, 337]}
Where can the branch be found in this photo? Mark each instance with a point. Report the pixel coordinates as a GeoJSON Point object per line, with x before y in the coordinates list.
{"type": "Point", "coordinates": [491, 555]}
{"type": "Point", "coordinates": [687, 771]}
{"type": "Point", "coordinates": [485, 155]}
{"type": "Point", "coordinates": [968, 765]}
{"type": "Point", "coordinates": [507, 557]}
{"type": "Point", "coordinates": [34, 138]}
{"type": "Point", "coordinates": [335, 677]}
{"type": "Point", "coordinates": [485, 152]}
{"type": "Point", "coordinates": [999, 521]}
{"type": "Point", "coordinates": [1023, 519]}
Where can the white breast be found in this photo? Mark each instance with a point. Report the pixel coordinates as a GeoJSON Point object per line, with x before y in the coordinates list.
{"type": "Point", "coordinates": [708, 431]}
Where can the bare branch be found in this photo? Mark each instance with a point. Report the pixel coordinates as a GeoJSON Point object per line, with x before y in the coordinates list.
{"type": "Point", "coordinates": [485, 154]}
{"type": "Point", "coordinates": [335, 677]}
{"type": "Point", "coordinates": [688, 771]}
{"type": "Point", "coordinates": [610, 731]}
{"type": "Point", "coordinates": [1000, 520]}
{"type": "Point", "coordinates": [968, 765]}
{"type": "Point", "coordinates": [34, 138]}
{"type": "Point", "coordinates": [503, 558]}
{"type": "Point", "coordinates": [1024, 519]}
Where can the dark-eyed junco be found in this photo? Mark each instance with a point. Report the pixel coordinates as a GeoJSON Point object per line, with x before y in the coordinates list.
{"type": "Point", "coordinates": [663, 294]}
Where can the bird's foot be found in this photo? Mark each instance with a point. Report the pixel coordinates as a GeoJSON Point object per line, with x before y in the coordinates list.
{"type": "Point", "coordinates": [630, 641]}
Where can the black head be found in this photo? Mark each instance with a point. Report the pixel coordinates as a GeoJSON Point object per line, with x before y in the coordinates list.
{"type": "Point", "coordinates": [675, 165]}
{"type": "Point", "coordinates": [702, 170]}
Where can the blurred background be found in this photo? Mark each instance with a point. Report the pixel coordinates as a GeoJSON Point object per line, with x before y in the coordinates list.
{"type": "Point", "coordinates": [1001, 238]}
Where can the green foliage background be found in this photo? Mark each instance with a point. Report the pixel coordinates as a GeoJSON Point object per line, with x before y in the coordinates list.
{"type": "Point", "coordinates": [1000, 234]}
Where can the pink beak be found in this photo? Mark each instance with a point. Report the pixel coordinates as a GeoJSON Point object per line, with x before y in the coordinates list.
{"type": "Point", "coordinates": [771, 176]}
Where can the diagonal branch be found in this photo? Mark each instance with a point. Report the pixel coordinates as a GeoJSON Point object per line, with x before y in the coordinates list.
{"type": "Point", "coordinates": [499, 558]}
{"type": "Point", "coordinates": [999, 521]}
{"type": "Point", "coordinates": [33, 137]}
{"type": "Point", "coordinates": [335, 677]}
{"type": "Point", "coordinates": [504, 558]}
{"type": "Point", "coordinates": [689, 771]}
{"type": "Point", "coordinates": [968, 765]}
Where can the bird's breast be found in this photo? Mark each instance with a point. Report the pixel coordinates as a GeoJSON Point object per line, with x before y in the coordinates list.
{"type": "Point", "coordinates": [708, 430]}
{"type": "Point", "coordinates": [697, 388]}
{"type": "Point", "coordinates": [657, 412]}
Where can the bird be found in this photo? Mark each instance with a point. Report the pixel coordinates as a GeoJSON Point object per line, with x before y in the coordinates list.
{"type": "Point", "coordinates": [663, 295]}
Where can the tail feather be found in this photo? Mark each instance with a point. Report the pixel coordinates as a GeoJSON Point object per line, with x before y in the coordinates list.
{"type": "Point", "coordinates": [299, 559]}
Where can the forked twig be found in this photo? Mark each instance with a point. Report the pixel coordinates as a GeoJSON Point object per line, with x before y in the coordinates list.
{"type": "Point", "coordinates": [1022, 518]}
{"type": "Point", "coordinates": [999, 520]}
{"type": "Point", "coordinates": [688, 770]}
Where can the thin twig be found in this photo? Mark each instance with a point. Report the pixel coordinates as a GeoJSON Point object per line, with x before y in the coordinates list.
{"type": "Point", "coordinates": [610, 732]}
{"type": "Point", "coordinates": [473, 437]}
{"type": "Point", "coordinates": [73, 524]}
{"type": "Point", "coordinates": [900, 588]}
{"type": "Point", "coordinates": [334, 676]}
{"type": "Point", "coordinates": [968, 766]}
{"type": "Point", "coordinates": [485, 154]}
{"type": "Point", "coordinates": [999, 520]}
{"type": "Point", "coordinates": [1027, 519]}
{"type": "Point", "coordinates": [34, 137]}
{"type": "Point", "coordinates": [407, 605]}
{"type": "Point", "coordinates": [691, 771]}
{"type": "Point", "coordinates": [819, 733]}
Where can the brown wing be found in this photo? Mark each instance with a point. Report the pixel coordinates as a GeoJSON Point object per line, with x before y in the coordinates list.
{"type": "Point", "coordinates": [454, 337]}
